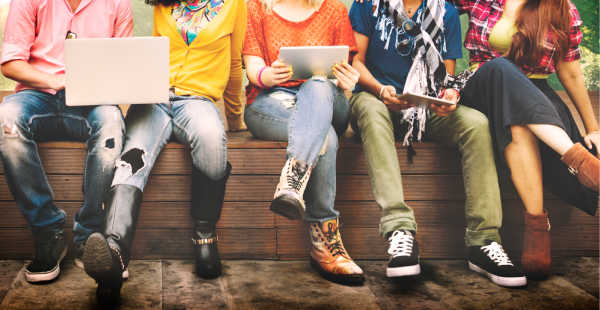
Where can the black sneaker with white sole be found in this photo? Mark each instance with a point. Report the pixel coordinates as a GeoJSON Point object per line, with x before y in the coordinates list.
{"type": "Point", "coordinates": [50, 250]}
{"type": "Point", "coordinates": [404, 251]}
{"type": "Point", "coordinates": [492, 261]}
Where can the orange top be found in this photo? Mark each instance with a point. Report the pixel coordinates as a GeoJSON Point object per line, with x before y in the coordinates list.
{"type": "Point", "coordinates": [267, 32]}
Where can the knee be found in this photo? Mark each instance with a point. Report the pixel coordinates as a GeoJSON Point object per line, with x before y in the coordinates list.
{"type": "Point", "coordinates": [209, 152]}
{"type": "Point", "coordinates": [317, 89]}
{"type": "Point", "coordinates": [13, 122]}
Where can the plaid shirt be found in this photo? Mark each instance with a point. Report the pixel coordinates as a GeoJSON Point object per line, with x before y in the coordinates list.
{"type": "Point", "coordinates": [483, 15]}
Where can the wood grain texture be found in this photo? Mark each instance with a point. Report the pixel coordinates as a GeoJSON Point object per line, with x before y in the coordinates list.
{"type": "Point", "coordinates": [430, 159]}
{"type": "Point", "coordinates": [261, 188]}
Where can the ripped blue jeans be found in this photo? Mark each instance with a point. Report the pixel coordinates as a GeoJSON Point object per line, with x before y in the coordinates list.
{"type": "Point", "coordinates": [307, 117]}
{"type": "Point", "coordinates": [192, 121]}
{"type": "Point", "coordinates": [31, 116]}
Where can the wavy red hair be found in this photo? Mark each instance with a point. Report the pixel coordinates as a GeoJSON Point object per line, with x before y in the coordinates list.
{"type": "Point", "coordinates": [537, 20]}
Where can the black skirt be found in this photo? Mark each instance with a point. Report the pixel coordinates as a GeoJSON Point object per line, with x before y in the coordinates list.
{"type": "Point", "coordinates": [501, 91]}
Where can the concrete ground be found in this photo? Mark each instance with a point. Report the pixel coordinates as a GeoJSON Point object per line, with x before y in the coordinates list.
{"type": "Point", "coordinates": [171, 284]}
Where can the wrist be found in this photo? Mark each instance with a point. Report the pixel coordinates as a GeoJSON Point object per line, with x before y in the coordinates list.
{"type": "Point", "coordinates": [380, 92]}
{"type": "Point", "coordinates": [259, 77]}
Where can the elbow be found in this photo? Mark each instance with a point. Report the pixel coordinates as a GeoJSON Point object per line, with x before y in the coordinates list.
{"type": "Point", "coordinates": [5, 69]}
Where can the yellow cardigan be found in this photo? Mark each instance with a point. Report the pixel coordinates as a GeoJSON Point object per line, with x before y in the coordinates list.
{"type": "Point", "coordinates": [211, 66]}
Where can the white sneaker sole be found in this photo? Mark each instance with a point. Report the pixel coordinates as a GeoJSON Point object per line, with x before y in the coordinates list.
{"type": "Point", "coordinates": [33, 277]}
{"type": "Point", "coordinates": [79, 264]}
{"type": "Point", "coordinates": [403, 271]}
{"type": "Point", "coordinates": [502, 281]}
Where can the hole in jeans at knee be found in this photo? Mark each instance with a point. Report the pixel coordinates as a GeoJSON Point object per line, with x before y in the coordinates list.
{"type": "Point", "coordinates": [132, 158]}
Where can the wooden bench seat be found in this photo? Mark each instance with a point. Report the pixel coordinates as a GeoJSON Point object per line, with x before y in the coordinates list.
{"type": "Point", "coordinates": [432, 184]}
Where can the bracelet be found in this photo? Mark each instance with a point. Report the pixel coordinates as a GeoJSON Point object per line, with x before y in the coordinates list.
{"type": "Point", "coordinates": [258, 77]}
{"type": "Point", "coordinates": [381, 92]}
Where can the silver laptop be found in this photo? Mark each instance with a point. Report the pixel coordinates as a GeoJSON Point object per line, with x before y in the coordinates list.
{"type": "Point", "coordinates": [117, 71]}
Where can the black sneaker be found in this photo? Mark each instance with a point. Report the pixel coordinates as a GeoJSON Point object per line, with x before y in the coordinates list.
{"type": "Point", "coordinates": [50, 249]}
{"type": "Point", "coordinates": [105, 265]}
{"type": "Point", "coordinates": [404, 253]}
{"type": "Point", "coordinates": [492, 261]}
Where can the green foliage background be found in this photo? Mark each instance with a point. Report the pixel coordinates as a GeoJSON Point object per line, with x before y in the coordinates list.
{"type": "Point", "coordinates": [588, 9]}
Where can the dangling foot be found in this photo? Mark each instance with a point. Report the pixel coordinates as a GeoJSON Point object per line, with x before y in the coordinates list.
{"type": "Point", "coordinates": [536, 257]}
{"type": "Point", "coordinates": [584, 165]}
{"type": "Point", "coordinates": [491, 261]}
{"type": "Point", "coordinates": [288, 200]}
{"type": "Point", "coordinates": [79, 248]}
{"type": "Point", "coordinates": [208, 262]}
{"type": "Point", "coordinates": [329, 257]}
{"type": "Point", "coordinates": [50, 249]}
{"type": "Point", "coordinates": [105, 265]}
{"type": "Point", "coordinates": [404, 252]}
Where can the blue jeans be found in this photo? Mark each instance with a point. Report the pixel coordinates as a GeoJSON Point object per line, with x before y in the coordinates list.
{"type": "Point", "coordinates": [193, 121]}
{"type": "Point", "coordinates": [30, 116]}
{"type": "Point", "coordinates": [307, 117]}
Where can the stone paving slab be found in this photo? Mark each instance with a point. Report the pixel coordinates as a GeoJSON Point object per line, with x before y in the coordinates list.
{"type": "Point", "coordinates": [289, 285]}
{"type": "Point", "coordinates": [75, 290]}
{"type": "Point", "coordinates": [8, 271]}
{"type": "Point", "coordinates": [581, 271]}
{"type": "Point", "coordinates": [183, 289]}
{"type": "Point", "coordinates": [449, 285]}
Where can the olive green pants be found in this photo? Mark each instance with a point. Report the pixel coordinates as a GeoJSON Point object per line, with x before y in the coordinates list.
{"type": "Point", "coordinates": [466, 129]}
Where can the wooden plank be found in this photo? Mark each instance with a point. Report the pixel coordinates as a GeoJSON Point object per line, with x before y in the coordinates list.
{"type": "Point", "coordinates": [440, 242]}
{"type": "Point", "coordinates": [261, 188]}
{"type": "Point", "coordinates": [352, 214]}
{"type": "Point", "coordinates": [163, 215]}
{"type": "Point", "coordinates": [451, 213]}
{"type": "Point", "coordinates": [436, 242]}
{"type": "Point", "coordinates": [161, 243]}
{"type": "Point", "coordinates": [434, 159]}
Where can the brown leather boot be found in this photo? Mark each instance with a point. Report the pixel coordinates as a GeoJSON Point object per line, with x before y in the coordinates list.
{"type": "Point", "coordinates": [584, 165]}
{"type": "Point", "coordinates": [536, 258]}
{"type": "Point", "coordinates": [329, 257]}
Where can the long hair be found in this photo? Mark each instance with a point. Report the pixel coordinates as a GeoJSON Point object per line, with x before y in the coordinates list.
{"type": "Point", "coordinates": [161, 2]}
{"type": "Point", "coordinates": [269, 4]}
{"type": "Point", "coordinates": [537, 20]}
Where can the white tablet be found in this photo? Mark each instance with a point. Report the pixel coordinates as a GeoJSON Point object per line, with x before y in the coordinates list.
{"type": "Point", "coordinates": [423, 100]}
{"type": "Point", "coordinates": [308, 61]}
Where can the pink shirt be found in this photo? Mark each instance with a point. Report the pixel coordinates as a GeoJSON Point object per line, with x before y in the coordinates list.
{"type": "Point", "coordinates": [36, 29]}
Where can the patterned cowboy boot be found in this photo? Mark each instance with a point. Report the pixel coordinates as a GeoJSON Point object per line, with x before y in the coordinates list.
{"type": "Point", "coordinates": [536, 258]}
{"type": "Point", "coordinates": [329, 257]}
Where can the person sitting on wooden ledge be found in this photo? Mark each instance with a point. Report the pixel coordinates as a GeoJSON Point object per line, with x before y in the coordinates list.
{"type": "Point", "coordinates": [309, 114]}
{"type": "Point", "coordinates": [33, 55]}
{"type": "Point", "coordinates": [205, 60]}
{"type": "Point", "coordinates": [412, 46]}
{"type": "Point", "coordinates": [536, 39]}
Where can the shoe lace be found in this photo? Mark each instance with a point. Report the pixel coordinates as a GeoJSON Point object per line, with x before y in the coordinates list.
{"type": "Point", "coordinates": [401, 243]}
{"type": "Point", "coordinates": [496, 253]}
{"type": "Point", "coordinates": [294, 177]}
{"type": "Point", "coordinates": [334, 242]}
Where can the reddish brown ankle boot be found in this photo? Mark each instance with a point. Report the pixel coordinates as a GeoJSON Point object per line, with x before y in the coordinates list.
{"type": "Point", "coordinates": [536, 246]}
{"type": "Point", "coordinates": [584, 165]}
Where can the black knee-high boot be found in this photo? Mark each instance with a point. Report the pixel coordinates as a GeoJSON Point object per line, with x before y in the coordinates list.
{"type": "Point", "coordinates": [207, 200]}
{"type": "Point", "coordinates": [107, 254]}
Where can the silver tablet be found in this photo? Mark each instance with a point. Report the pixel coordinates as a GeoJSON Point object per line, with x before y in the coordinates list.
{"type": "Point", "coordinates": [309, 61]}
{"type": "Point", "coordinates": [423, 100]}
